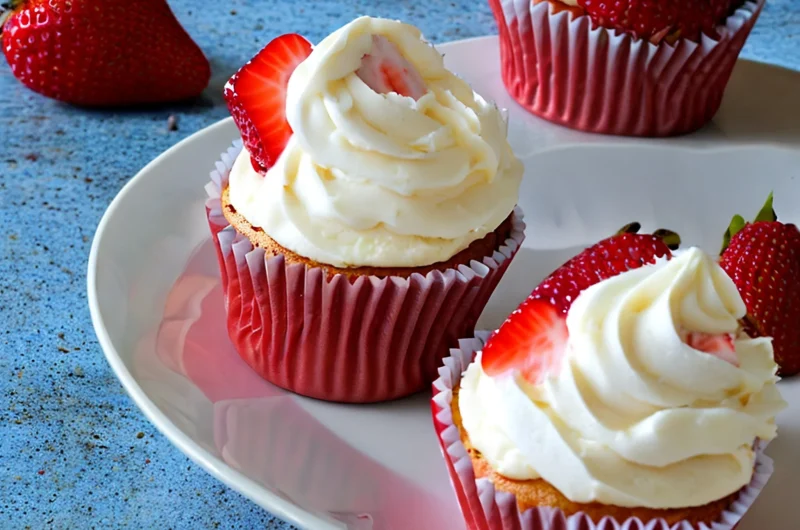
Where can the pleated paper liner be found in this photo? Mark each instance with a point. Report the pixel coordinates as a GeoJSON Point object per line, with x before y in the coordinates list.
{"type": "Point", "coordinates": [371, 340]}
{"type": "Point", "coordinates": [560, 68]}
{"type": "Point", "coordinates": [484, 508]}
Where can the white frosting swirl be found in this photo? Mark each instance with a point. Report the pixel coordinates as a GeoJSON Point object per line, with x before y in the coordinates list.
{"type": "Point", "coordinates": [636, 417]}
{"type": "Point", "coordinates": [382, 180]}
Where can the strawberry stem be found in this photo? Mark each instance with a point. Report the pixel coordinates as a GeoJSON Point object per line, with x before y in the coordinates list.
{"type": "Point", "coordinates": [767, 213]}
{"type": "Point", "coordinates": [630, 228]}
{"type": "Point", "coordinates": [670, 238]}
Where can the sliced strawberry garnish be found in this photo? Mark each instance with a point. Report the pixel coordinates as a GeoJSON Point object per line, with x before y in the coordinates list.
{"type": "Point", "coordinates": [384, 70]}
{"type": "Point", "coordinates": [721, 346]}
{"type": "Point", "coordinates": [256, 97]}
{"type": "Point", "coordinates": [532, 340]}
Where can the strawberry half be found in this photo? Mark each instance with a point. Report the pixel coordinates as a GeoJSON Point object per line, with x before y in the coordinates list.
{"type": "Point", "coordinates": [763, 259]}
{"type": "Point", "coordinates": [531, 340]}
{"type": "Point", "coordinates": [656, 20]}
{"type": "Point", "coordinates": [720, 346]}
{"type": "Point", "coordinates": [614, 255]}
{"type": "Point", "coordinates": [256, 97]}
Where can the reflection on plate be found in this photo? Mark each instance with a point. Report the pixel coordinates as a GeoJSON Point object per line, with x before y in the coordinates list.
{"type": "Point", "coordinates": [261, 430]}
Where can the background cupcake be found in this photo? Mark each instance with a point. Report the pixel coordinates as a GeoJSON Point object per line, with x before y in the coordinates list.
{"type": "Point", "coordinates": [363, 234]}
{"type": "Point", "coordinates": [645, 406]}
{"type": "Point", "coordinates": [628, 67]}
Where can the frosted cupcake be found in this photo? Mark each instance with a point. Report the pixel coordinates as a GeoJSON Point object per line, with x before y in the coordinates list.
{"type": "Point", "coordinates": [368, 218]}
{"type": "Point", "coordinates": [645, 405]}
{"type": "Point", "coordinates": [631, 67]}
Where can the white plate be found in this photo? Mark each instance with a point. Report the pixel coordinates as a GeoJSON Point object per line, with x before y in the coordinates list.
{"type": "Point", "coordinates": [157, 308]}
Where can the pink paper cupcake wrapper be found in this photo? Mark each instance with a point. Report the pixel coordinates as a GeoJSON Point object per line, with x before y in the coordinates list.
{"type": "Point", "coordinates": [485, 508]}
{"type": "Point", "coordinates": [562, 69]}
{"type": "Point", "coordinates": [371, 340]}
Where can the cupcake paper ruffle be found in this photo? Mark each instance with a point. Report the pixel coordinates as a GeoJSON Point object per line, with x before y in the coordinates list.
{"type": "Point", "coordinates": [485, 508]}
{"type": "Point", "coordinates": [564, 70]}
{"type": "Point", "coordinates": [371, 340]}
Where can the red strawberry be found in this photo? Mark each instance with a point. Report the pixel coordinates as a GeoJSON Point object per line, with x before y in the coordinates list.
{"type": "Point", "coordinates": [532, 340]}
{"type": "Point", "coordinates": [384, 70]}
{"type": "Point", "coordinates": [103, 52]}
{"type": "Point", "coordinates": [622, 252]}
{"type": "Point", "coordinates": [256, 97]}
{"type": "Point", "coordinates": [721, 346]}
{"type": "Point", "coordinates": [656, 19]}
{"type": "Point", "coordinates": [763, 259]}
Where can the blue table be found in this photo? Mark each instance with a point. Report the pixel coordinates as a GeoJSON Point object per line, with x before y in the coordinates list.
{"type": "Point", "coordinates": [74, 450]}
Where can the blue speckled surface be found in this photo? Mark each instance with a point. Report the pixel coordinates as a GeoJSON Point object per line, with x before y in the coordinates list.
{"type": "Point", "coordinates": [74, 450]}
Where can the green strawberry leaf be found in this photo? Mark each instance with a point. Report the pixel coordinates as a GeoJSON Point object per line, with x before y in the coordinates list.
{"type": "Point", "coordinates": [737, 223]}
{"type": "Point", "coordinates": [670, 238]}
{"type": "Point", "coordinates": [766, 213]}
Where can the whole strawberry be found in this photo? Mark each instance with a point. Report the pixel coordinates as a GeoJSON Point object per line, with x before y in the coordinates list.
{"type": "Point", "coordinates": [256, 94]}
{"type": "Point", "coordinates": [655, 20]}
{"type": "Point", "coordinates": [103, 52]}
{"type": "Point", "coordinates": [533, 337]}
{"type": "Point", "coordinates": [763, 259]}
{"type": "Point", "coordinates": [619, 253]}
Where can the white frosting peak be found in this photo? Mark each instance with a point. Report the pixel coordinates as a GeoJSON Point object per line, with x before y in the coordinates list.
{"type": "Point", "coordinates": [636, 417]}
{"type": "Point", "coordinates": [372, 179]}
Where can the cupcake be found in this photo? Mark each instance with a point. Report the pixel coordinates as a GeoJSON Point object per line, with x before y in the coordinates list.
{"type": "Point", "coordinates": [623, 393]}
{"type": "Point", "coordinates": [369, 215]}
{"type": "Point", "coordinates": [635, 67]}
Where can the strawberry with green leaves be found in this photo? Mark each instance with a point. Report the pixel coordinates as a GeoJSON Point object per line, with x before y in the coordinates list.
{"type": "Point", "coordinates": [763, 259]}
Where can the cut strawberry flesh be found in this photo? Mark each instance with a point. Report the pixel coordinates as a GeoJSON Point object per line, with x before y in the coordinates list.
{"type": "Point", "coordinates": [385, 70]}
{"type": "Point", "coordinates": [256, 97]}
{"type": "Point", "coordinates": [721, 346]}
{"type": "Point", "coordinates": [532, 340]}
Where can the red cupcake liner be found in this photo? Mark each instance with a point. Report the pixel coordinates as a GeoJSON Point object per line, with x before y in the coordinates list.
{"type": "Point", "coordinates": [562, 69]}
{"type": "Point", "coordinates": [485, 508]}
{"type": "Point", "coordinates": [371, 340]}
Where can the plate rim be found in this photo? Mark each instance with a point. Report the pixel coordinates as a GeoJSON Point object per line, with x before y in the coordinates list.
{"type": "Point", "coordinates": [237, 481]}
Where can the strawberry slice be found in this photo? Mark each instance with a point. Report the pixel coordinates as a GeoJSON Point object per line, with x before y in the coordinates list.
{"type": "Point", "coordinates": [720, 346]}
{"type": "Point", "coordinates": [532, 340]}
{"type": "Point", "coordinates": [256, 97]}
{"type": "Point", "coordinates": [385, 70]}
